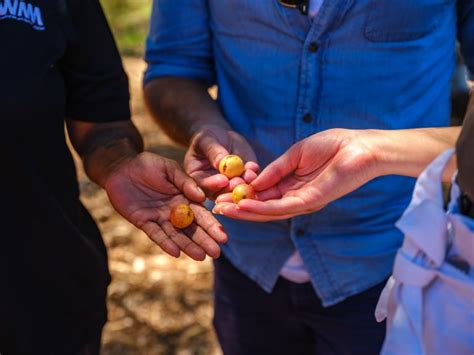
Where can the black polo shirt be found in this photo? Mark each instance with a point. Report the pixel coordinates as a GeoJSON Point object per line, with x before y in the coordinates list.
{"type": "Point", "coordinates": [58, 61]}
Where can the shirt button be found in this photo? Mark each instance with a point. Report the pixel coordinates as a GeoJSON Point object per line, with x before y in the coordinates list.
{"type": "Point", "coordinates": [313, 47]}
{"type": "Point", "coordinates": [300, 232]}
{"type": "Point", "coordinates": [308, 118]}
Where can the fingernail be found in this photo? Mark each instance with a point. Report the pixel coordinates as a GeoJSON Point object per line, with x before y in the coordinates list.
{"type": "Point", "coordinates": [201, 191]}
{"type": "Point", "coordinates": [215, 211]}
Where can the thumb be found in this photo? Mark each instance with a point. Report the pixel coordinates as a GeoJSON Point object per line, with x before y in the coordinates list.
{"type": "Point", "coordinates": [187, 185]}
{"type": "Point", "coordinates": [278, 170]}
{"type": "Point", "coordinates": [212, 149]}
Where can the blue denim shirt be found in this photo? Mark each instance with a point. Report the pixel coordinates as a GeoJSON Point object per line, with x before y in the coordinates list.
{"type": "Point", "coordinates": [384, 64]}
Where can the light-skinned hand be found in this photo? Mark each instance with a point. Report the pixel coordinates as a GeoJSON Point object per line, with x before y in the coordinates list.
{"type": "Point", "coordinates": [311, 174]}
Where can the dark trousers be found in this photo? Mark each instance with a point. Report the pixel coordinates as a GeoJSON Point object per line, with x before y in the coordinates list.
{"type": "Point", "coordinates": [93, 347]}
{"type": "Point", "coordinates": [45, 337]}
{"type": "Point", "coordinates": [291, 320]}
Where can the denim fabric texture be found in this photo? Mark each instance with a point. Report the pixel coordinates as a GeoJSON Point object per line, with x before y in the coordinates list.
{"type": "Point", "coordinates": [365, 64]}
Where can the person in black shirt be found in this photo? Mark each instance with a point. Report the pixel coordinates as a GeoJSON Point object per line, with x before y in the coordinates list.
{"type": "Point", "coordinates": [59, 64]}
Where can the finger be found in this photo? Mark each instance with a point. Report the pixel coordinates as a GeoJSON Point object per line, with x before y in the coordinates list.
{"type": "Point", "coordinates": [193, 163]}
{"type": "Point", "coordinates": [251, 165]}
{"type": "Point", "coordinates": [187, 185]}
{"type": "Point", "coordinates": [212, 149]}
{"type": "Point", "coordinates": [272, 193]}
{"type": "Point", "coordinates": [293, 205]}
{"type": "Point", "coordinates": [234, 182]}
{"type": "Point", "coordinates": [184, 243]}
{"type": "Point", "coordinates": [233, 211]}
{"type": "Point", "coordinates": [211, 183]}
{"type": "Point", "coordinates": [241, 147]}
{"type": "Point", "coordinates": [156, 234]}
{"type": "Point", "coordinates": [249, 176]}
{"type": "Point", "coordinates": [227, 197]}
{"type": "Point", "coordinates": [208, 223]}
{"type": "Point", "coordinates": [201, 238]}
{"type": "Point", "coordinates": [277, 170]}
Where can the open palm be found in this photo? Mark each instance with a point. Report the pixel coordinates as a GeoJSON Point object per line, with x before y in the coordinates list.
{"type": "Point", "coordinates": [143, 191]}
{"type": "Point", "coordinates": [307, 177]}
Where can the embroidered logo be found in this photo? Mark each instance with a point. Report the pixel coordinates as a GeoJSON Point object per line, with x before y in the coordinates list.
{"type": "Point", "coordinates": [21, 11]}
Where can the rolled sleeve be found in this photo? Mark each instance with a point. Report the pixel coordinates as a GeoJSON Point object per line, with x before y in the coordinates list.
{"type": "Point", "coordinates": [466, 33]}
{"type": "Point", "coordinates": [95, 81]}
{"type": "Point", "coordinates": [179, 43]}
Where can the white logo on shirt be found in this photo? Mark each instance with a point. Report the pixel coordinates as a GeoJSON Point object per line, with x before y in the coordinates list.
{"type": "Point", "coordinates": [21, 11]}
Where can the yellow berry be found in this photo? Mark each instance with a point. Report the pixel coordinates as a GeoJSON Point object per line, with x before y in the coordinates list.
{"type": "Point", "coordinates": [231, 166]}
{"type": "Point", "coordinates": [241, 192]}
{"type": "Point", "coordinates": [181, 216]}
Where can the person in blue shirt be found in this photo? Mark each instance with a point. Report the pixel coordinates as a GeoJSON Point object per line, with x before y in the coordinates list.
{"type": "Point", "coordinates": [364, 88]}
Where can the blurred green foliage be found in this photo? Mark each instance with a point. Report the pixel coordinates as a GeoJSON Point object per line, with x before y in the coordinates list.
{"type": "Point", "coordinates": [129, 20]}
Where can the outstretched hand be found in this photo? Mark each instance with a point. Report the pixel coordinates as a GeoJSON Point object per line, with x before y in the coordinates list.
{"type": "Point", "coordinates": [144, 189]}
{"type": "Point", "coordinates": [311, 174]}
{"type": "Point", "coordinates": [207, 148]}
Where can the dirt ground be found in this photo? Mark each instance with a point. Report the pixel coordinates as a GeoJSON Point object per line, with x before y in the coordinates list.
{"type": "Point", "coordinates": [157, 304]}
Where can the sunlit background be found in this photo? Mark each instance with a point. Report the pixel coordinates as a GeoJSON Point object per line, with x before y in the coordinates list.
{"type": "Point", "coordinates": [129, 20]}
{"type": "Point", "coordinates": [157, 304]}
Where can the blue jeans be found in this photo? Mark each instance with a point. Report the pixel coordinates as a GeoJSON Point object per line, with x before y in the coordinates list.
{"type": "Point", "coordinates": [291, 320]}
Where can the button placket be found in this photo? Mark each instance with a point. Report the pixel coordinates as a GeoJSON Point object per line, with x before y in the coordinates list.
{"type": "Point", "coordinates": [309, 85]}
{"type": "Point", "coordinates": [307, 118]}
{"type": "Point", "coordinates": [313, 47]}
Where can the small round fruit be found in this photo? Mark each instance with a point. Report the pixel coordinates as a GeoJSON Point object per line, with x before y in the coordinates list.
{"type": "Point", "coordinates": [241, 192]}
{"type": "Point", "coordinates": [231, 166]}
{"type": "Point", "coordinates": [181, 216]}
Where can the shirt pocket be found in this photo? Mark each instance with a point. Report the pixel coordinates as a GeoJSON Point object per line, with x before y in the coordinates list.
{"type": "Point", "coordinates": [403, 20]}
{"type": "Point", "coordinates": [248, 19]}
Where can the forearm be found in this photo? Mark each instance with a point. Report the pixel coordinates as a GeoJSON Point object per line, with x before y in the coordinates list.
{"type": "Point", "coordinates": [182, 106]}
{"type": "Point", "coordinates": [465, 152]}
{"type": "Point", "coordinates": [104, 147]}
{"type": "Point", "coordinates": [408, 152]}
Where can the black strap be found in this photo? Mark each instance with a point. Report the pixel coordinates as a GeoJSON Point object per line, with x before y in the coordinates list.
{"type": "Point", "coordinates": [466, 206]}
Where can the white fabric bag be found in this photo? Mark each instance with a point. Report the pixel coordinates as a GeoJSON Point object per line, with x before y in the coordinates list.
{"type": "Point", "coordinates": [429, 300]}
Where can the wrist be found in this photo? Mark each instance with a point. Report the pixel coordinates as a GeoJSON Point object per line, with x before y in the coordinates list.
{"type": "Point", "coordinates": [106, 161]}
{"type": "Point", "coordinates": [369, 144]}
{"type": "Point", "coordinates": [214, 129]}
{"type": "Point", "coordinates": [217, 125]}
{"type": "Point", "coordinates": [408, 152]}
{"type": "Point", "coordinates": [386, 155]}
